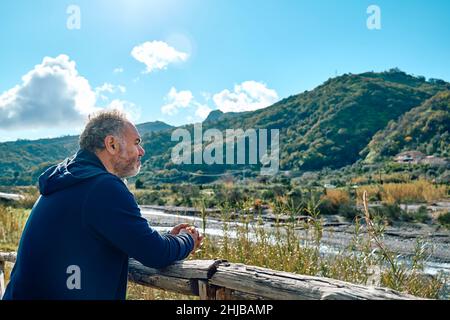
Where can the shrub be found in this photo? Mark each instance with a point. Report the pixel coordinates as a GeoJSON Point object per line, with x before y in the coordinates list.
{"type": "Point", "coordinates": [139, 184]}
{"type": "Point", "coordinates": [348, 211]}
{"type": "Point", "coordinates": [327, 207]}
{"type": "Point", "coordinates": [337, 196]}
{"type": "Point", "coordinates": [144, 197]}
{"type": "Point", "coordinates": [337, 201]}
{"type": "Point", "coordinates": [12, 222]}
{"type": "Point", "coordinates": [390, 212]}
{"type": "Point", "coordinates": [421, 215]}
{"type": "Point", "coordinates": [393, 212]}
{"type": "Point", "coordinates": [444, 219]}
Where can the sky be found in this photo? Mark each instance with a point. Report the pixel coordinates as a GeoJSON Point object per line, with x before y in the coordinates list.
{"type": "Point", "coordinates": [175, 61]}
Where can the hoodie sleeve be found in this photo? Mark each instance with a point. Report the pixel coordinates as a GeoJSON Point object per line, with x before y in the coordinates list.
{"type": "Point", "coordinates": [111, 211]}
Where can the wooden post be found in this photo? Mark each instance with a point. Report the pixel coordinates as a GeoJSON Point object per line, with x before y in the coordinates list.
{"type": "Point", "coordinates": [2, 279]}
{"type": "Point", "coordinates": [203, 290]}
{"type": "Point", "coordinates": [206, 291]}
{"type": "Point", "coordinates": [223, 294]}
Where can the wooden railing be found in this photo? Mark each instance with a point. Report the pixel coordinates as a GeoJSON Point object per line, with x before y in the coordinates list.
{"type": "Point", "coordinates": [220, 280]}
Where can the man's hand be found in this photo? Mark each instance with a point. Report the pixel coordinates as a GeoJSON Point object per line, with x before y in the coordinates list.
{"type": "Point", "coordinates": [198, 239]}
{"type": "Point", "coordinates": [176, 230]}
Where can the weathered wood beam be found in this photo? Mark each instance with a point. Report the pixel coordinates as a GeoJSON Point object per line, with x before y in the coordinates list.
{"type": "Point", "coordinates": [8, 257]}
{"type": "Point", "coordinates": [11, 196]}
{"type": "Point", "coordinates": [280, 285]}
{"type": "Point", "coordinates": [220, 280]}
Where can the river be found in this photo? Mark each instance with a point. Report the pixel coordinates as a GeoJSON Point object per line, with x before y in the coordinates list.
{"type": "Point", "coordinates": [333, 242]}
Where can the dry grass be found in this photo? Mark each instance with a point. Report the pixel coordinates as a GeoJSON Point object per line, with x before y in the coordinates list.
{"type": "Point", "coordinates": [285, 250]}
{"type": "Point", "coordinates": [280, 249]}
{"type": "Point", "coordinates": [139, 292]}
{"type": "Point", "coordinates": [12, 222]}
{"type": "Point", "coordinates": [337, 196]}
{"type": "Point", "coordinates": [418, 191]}
{"type": "Point", "coordinates": [396, 177]}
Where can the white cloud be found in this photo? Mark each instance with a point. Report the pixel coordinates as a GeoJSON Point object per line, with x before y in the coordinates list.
{"type": "Point", "coordinates": [118, 70]}
{"type": "Point", "coordinates": [51, 94]}
{"type": "Point", "coordinates": [132, 111]}
{"type": "Point", "coordinates": [202, 111]}
{"type": "Point", "coordinates": [206, 95]}
{"type": "Point", "coordinates": [247, 96]}
{"type": "Point", "coordinates": [157, 55]}
{"type": "Point", "coordinates": [110, 89]}
{"type": "Point", "coordinates": [176, 100]}
{"type": "Point", "coordinates": [54, 95]}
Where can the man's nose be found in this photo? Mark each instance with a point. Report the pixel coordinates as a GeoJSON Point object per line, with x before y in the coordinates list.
{"type": "Point", "coordinates": [141, 151]}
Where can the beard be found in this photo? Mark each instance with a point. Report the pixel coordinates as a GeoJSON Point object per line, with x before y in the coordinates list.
{"type": "Point", "coordinates": [126, 167]}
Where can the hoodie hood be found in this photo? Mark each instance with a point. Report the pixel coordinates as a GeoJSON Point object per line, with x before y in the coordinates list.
{"type": "Point", "coordinates": [81, 166]}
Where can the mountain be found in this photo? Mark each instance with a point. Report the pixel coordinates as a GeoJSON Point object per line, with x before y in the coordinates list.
{"type": "Point", "coordinates": [22, 161]}
{"type": "Point", "coordinates": [326, 127]}
{"type": "Point", "coordinates": [347, 118]}
{"type": "Point", "coordinates": [217, 115]}
{"type": "Point", "coordinates": [154, 126]}
{"type": "Point", "coordinates": [214, 116]}
{"type": "Point", "coordinates": [424, 128]}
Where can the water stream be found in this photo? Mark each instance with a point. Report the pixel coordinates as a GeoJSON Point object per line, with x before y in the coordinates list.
{"type": "Point", "coordinates": [163, 222]}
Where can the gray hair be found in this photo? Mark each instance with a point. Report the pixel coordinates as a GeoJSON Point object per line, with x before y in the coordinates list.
{"type": "Point", "coordinates": [99, 126]}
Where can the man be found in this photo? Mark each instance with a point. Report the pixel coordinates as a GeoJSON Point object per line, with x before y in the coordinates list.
{"type": "Point", "coordinates": [86, 223]}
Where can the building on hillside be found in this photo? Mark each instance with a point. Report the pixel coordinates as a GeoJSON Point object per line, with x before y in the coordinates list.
{"type": "Point", "coordinates": [417, 157]}
{"type": "Point", "coordinates": [409, 157]}
{"type": "Point", "coordinates": [434, 161]}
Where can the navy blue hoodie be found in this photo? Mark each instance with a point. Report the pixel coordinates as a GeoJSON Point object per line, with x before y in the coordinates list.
{"type": "Point", "coordinates": [86, 224]}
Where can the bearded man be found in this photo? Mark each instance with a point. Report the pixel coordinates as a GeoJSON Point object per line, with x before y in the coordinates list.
{"type": "Point", "coordinates": [86, 223]}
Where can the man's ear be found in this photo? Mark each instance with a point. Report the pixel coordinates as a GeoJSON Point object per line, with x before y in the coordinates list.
{"type": "Point", "coordinates": [111, 144]}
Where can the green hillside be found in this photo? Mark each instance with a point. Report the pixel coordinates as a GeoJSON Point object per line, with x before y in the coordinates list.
{"type": "Point", "coordinates": [425, 128]}
{"type": "Point", "coordinates": [22, 161]}
{"type": "Point", "coordinates": [343, 120]}
{"type": "Point", "coordinates": [326, 127]}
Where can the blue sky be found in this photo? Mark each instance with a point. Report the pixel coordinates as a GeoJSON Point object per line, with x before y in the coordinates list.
{"type": "Point", "coordinates": [191, 57]}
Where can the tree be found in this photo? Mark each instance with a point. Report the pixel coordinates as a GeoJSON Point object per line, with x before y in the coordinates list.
{"type": "Point", "coordinates": [139, 184]}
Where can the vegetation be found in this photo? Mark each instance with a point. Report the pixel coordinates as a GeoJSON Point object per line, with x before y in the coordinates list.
{"type": "Point", "coordinates": [22, 161]}
{"type": "Point", "coordinates": [444, 219]}
{"type": "Point", "coordinates": [425, 128]}
{"type": "Point", "coordinates": [368, 116]}
{"type": "Point", "coordinates": [12, 222]}
{"type": "Point", "coordinates": [413, 192]}
{"type": "Point", "coordinates": [326, 127]}
{"type": "Point", "coordinates": [337, 144]}
{"type": "Point", "coordinates": [366, 260]}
